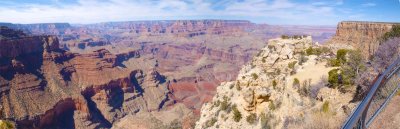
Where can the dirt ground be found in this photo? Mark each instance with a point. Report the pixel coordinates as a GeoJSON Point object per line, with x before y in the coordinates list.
{"type": "Point", "coordinates": [311, 70]}
{"type": "Point", "coordinates": [389, 118]}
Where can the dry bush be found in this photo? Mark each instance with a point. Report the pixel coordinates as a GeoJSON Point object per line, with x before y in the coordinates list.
{"type": "Point", "coordinates": [319, 120]}
{"type": "Point", "coordinates": [236, 114]}
{"type": "Point", "coordinates": [324, 121]}
{"type": "Point", "coordinates": [314, 89]}
{"type": "Point", "coordinates": [251, 118]}
{"type": "Point", "coordinates": [386, 54]}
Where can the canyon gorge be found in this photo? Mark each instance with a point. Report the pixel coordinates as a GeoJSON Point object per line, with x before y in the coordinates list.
{"type": "Point", "coordinates": [172, 73]}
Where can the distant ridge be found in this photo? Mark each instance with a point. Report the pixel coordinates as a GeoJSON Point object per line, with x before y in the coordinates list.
{"type": "Point", "coordinates": [375, 22]}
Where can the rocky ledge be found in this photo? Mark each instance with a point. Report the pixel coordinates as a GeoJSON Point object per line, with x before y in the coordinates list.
{"type": "Point", "coordinates": [267, 95]}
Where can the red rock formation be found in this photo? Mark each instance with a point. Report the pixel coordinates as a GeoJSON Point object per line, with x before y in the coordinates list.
{"type": "Point", "coordinates": [86, 43]}
{"type": "Point", "coordinates": [361, 35]}
{"type": "Point", "coordinates": [43, 86]}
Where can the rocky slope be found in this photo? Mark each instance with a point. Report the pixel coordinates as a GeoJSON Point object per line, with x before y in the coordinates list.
{"type": "Point", "coordinates": [43, 86]}
{"type": "Point", "coordinates": [361, 35]}
{"type": "Point", "coordinates": [263, 95]}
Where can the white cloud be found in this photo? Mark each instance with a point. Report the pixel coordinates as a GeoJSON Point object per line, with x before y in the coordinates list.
{"type": "Point", "coordinates": [93, 11]}
{"type": "Point", "coordinates": [368, 5]}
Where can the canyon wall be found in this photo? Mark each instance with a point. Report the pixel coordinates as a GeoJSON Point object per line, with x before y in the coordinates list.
{"type": "Point", "coordinates": [43, 86]}
{"type": "Point", "coordinates": [40, 28]}
{"type": "Point", "coordinates": [188, 28]}
{"type": "Point", "coordinates": [365, 36]}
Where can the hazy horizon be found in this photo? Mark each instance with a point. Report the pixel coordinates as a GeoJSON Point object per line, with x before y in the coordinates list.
{"type": "Point", "coordinates": [275, 12]}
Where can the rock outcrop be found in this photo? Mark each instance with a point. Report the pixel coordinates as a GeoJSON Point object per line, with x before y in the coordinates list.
{"type": "Point", "coordinates": [264, 97]}
{"type": "Point", "coordinates": [365, 36]}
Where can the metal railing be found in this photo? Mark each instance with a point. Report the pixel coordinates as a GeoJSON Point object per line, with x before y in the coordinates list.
{"type": "Point", "coordinates": [383, 89]}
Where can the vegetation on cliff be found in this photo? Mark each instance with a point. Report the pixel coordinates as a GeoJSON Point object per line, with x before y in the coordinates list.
{"type": "Point", "coordinates": [283, 87]}
{"type": "Point", "coordinates": [394, 32]}
{"type": "Point", "coordinates": [4, 124]}
{"type": "Point", "coordinates": [351, 62]}
{"type": "Point", "coordinates": [386, 54]}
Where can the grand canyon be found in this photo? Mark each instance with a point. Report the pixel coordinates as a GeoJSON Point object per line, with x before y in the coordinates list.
{"type": "Point", "coordinates": [192, 74]}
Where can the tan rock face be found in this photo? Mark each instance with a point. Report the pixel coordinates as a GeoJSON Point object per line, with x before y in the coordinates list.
{"type": "Point", "coordinates": [362, 35]}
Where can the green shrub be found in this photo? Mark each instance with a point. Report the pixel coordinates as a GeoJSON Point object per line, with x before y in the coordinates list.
{"type": "Point", "coordinates": [251, 118]}
{"type": "Point", "coordinates": [352, 68]}
{"type": "Point", "coordinates": [224, 104]}
{"type": "Point", "coordinates": [271, 106]}
{"type": "Point", "coordinates": [4, 124]}
{"type": "Point", "coordinates": [296, 82]}
{"type": "Point", "coordinates": [292, 64]}
{"type": "Point", "coordinates": [284, 37]}
{"type": "Point", "coordinates": [309, 51]}
{"type": "Point", "coordinates": [325, 107]}
{"type": "Point", "coordinates": [341, 55]}
{"type": "Point", "coordinates": [333, 78]}
{"type": "Point", "coordinates": [236, 114]}
{"type": "Point", "coordinates": [274, 83]}
{"type": "Point", "coordinates": [334, 62]}
{"type": "Point", "coordinates": [270, 47]}
{"type": "Point", "coordinates": [217, 103]}
{"type": "Point", "coordinates": [231, 86]}
{"type": "Point", "coordinates": [278, 71]}
{"type": "Point", "coordinates": [317, 51]}
{"type": "Point", "coordinates": [211, 122]}
{"type": "Point", "coordinates": [255, 76]}
{"type": "Point", "coordinates": [394, 32]}
{"type": "Point", "coordinates": [238, 85]}
{"type": "Point", "coordinates": [263, 60]}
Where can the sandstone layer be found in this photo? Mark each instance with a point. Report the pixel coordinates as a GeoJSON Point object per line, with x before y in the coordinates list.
{"type": "Point", "coordinates": [365, 36]}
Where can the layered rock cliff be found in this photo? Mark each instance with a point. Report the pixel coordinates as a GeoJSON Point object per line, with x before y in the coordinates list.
{"type": "Point", "coordinates": [365, 36]}
{"type": "Point", "coordinates": [185, 28]}
{"type": "Point", "coordinates": [41, 28]}
{"type": "Point", "coordinates": [43, 86]}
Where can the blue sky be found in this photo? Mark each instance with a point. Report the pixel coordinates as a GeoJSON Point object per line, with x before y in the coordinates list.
{"type": "Point", "coordinates": [282, 12]}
